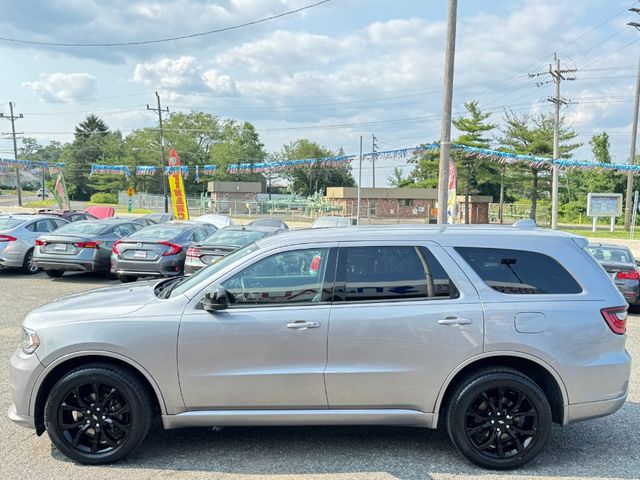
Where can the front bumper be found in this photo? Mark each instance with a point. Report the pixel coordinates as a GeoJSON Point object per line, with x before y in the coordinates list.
{"type": "Point", "coordinates": [24, 371]}
{"type": "Point", "coordinates": [22, 420]}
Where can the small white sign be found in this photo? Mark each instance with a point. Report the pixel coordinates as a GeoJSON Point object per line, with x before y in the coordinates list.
{"type": "Point", "coordinates": [604, 204]}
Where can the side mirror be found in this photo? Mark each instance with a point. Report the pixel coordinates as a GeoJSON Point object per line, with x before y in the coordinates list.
{"type": "Point", "coordinates": [215, 299]}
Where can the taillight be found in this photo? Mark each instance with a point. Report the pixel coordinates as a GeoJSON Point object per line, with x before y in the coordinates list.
{"type": "Point", "coordinates": [7, 238]}
{"type": "Point", "coordinates": [90, 244]}
{"type": "Point", "coordinates": [40, 243]}
{"type": "Point", "coordinates": [173, 249]}
{"type": "Point", "coordinates": [616, 318]}
{"type": "Point", "coordinates": [628, 275]}
{"type": "Point", "coordinates": [193, 252]}
{"type": "Point", "coordinates": [114, 249]}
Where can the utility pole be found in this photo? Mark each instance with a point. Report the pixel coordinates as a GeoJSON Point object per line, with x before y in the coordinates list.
{"type": "Point", "coordinates": [374, 146]}
{"type": "Point", "coordinates": [445, 126]}
{"type": "Point", "coordinates": [159, 110]}
{"type": "Point", "coordinates": [359, 183]}
{"type": "Point", "coordinates": [634, 136]}
{"type": "Point", "coordinates": [558, 75]}
{"type": "Point", "coordinates": [13, 134]}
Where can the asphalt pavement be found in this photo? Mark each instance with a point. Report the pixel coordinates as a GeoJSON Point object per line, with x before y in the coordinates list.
{"type": "Point", "coordinates": [602, 449]}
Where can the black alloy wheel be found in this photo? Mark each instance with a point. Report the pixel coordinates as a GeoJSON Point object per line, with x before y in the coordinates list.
{"type": "Point", "coordinates": [500, 419]}
{"type": "Point", "coordinates": [98, 414]}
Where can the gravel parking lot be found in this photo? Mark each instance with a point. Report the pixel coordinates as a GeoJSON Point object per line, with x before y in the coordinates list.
{"type": "Point", "coordinates": [604, 448]}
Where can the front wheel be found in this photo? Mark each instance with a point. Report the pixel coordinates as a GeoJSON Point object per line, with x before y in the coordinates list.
{"type": "Point", "coordinates": [98, 414]}
{"type": "Point", "coordinates": [499, 419]}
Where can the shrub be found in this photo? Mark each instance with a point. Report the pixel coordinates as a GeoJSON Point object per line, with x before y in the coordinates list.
{"type": "Point", "coordinates": [103, 197]}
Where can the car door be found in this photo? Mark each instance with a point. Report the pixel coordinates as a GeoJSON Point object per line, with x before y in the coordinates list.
{"type": "Point", "coordinates": [404, 317]}
{"type": "Point", "coordinates": [269, 348]}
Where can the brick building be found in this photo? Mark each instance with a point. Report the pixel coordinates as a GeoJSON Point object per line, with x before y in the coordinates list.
{"type": "Point", "coordinates": [403, 203]}
{"type": "Point", "coordinates": [384, 202]}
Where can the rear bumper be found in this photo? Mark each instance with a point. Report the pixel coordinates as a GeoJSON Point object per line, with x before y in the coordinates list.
{"type": "Point", "coordinates": [74, 265]}
{"type": "Point", "coordinates": [166, 267]}
{"type": "Point", "coordinates": [191, 269]}
{"type": "Point", "coordinates": [586, 411]}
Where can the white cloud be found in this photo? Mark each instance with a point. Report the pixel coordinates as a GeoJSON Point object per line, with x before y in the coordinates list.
{"type": "Point", "coordinates": [177, 74]}
{"type": "Point", "coordinates": [64, 87]}
{"type": "Point", "coordinates": [219, 83]}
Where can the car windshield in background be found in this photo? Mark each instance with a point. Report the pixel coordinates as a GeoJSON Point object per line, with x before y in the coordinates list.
{"type": "Point", "coordinates": [7, 223]}
{"type": "Point", "coordinates": [206, 272]}
{"type": "Point", "coordinates": [608, 254]}
{"type": "Point", "coordinates": [233, 237]}
{"type": "Point", "coordinates": [158, 233]}
{"type": "Point", "coordinates": [81, 228]}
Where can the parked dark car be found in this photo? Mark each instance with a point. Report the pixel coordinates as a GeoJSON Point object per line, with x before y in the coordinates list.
{"type": "Point", "coordinates": [222, 243]}
{"type": "Point", "coordinates": [269, 222]}
{"type": "Point", "coordinates": [81, 246]}
{"type": "Point", "coordinates": [144, 221]}
{"type": "Point", "coordinates": [157, 250]}
{"type": "Point", "coordinates": [621, 266]}
{"type": "Point", "coordinates": [69, 215]}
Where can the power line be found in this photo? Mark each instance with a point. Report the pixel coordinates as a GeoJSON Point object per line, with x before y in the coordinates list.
{"type": "Point", "coordinates": [164, 40]}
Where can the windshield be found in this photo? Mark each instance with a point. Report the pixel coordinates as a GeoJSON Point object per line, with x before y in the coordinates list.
{"type": "Point", "coordinates": [233, 237]}
{"type": "Point", "coordinates": [7, 223]}
{"type": "Point", "coordinates": [158, 233]}
{"type": "Point", "coordinates": [212, 269]}
{"type": "Point", "coordinates": [82, 228]}
{"type": "Point", "coordinates": [611, 254]}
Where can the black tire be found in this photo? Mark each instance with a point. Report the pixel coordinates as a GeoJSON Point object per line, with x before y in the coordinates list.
{"type": "Point", "coordinates": [27, 264]}
{"type": "Point", "coordinates": [54, 273]}
{"type": "Point", "coordinates": [127, 278]}
{"type": "Point", "coordinates": [499, 435]}
{"type": "Point", "coordinates": [103, 431]}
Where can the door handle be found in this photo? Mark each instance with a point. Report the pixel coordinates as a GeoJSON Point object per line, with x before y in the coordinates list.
{"type": "Point", "coordinates": [454, 321]}
{"type": "Point", "coordinates": [302, 325]}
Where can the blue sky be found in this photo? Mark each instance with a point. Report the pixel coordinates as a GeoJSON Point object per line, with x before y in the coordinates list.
{"type": "Point", "coordinates": [332, 73]}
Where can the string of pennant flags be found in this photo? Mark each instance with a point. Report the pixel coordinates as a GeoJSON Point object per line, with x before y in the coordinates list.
{"type": "Point", "coordinates": [329, 162]}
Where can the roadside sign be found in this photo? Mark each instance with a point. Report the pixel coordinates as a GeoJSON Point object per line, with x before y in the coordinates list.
{"type": "Point", "coordinates": [604, 205]}
{"type": "Point", "coordinates": [130, 191]}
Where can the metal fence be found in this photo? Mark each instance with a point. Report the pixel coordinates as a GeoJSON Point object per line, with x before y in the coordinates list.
{"type": "Point", "coordinates": [512, 212]}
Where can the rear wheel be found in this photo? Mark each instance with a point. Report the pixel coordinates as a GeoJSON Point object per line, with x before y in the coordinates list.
{"type": "Point", "coordinates": [27, 264]}
{"type": "Point", "coordinates": [499, 419]}
{"type": "Point", "coordinates": [98, 414]}
{"type": "Point", "coordinates": [127, 278]}
{"type": "Point", "coordinates": [54, 273]}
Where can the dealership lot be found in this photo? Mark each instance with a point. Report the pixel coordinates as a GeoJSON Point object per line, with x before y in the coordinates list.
{"type": "Point", "coordinates": [604, 448]}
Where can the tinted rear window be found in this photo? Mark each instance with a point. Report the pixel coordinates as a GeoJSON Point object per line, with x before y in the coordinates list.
{"type": "Point", "coordinates": [7, 223]}
{"type": "Point", "coordinates": [608, 254]}
{"type": "Point", "coordinates": [159, 232]}
{"type": "Point", "coordinates": [82, 228]}
{"type": "Point", "coordinates": [519, 271]}
{"type": "Point", "coordinates": [233, 237]}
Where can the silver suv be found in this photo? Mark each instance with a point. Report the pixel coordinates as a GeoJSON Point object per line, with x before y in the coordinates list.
{"type": "Point", "coordinates": [493, 332]}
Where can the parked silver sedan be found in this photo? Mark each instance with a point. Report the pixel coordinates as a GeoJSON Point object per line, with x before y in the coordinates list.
{"type": "Point", "coordinates": [157, 250]}
{"type": "Point", "coordinates": [18, 234]}
{"type": "Point", "coordinates": [83, 246]}
{"type": "Point", "coordinates": [223, 242]}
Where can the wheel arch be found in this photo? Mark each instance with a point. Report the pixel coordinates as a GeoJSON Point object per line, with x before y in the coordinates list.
{"type": "Point", "coordinates": [56, 370]}
{"type": "Point", "coordinates": [539, 371]}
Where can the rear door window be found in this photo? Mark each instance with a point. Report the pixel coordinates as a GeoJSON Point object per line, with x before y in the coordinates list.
{"type": "Point", "coordinates": [519, 271]}
{"type": "Point", "coordinates": [372, 273]}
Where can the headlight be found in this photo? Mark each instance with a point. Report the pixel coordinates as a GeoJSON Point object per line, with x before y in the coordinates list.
{"type": "Point", "coordinates": [29, 341]}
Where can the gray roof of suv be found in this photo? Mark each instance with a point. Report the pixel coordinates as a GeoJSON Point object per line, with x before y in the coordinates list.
{"type": "Point", "coordinates": [409, 232]}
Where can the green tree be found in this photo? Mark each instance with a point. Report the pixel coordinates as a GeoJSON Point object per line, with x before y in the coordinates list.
{"type": "Point", "coordinates": [533, 135]}
{"type": "Point", "coordinates": [308, 180]}
{"type": "Point", "coordinates": [478, 176]}
{"type": "Point", "coordinates": [397, 178]}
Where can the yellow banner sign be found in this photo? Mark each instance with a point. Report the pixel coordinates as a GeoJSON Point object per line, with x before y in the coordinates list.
{"type": "Point", "coordinates": [176, 186]}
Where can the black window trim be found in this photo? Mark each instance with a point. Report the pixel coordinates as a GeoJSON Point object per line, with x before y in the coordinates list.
{"type": "Point", "coordinates": [340, 278]}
